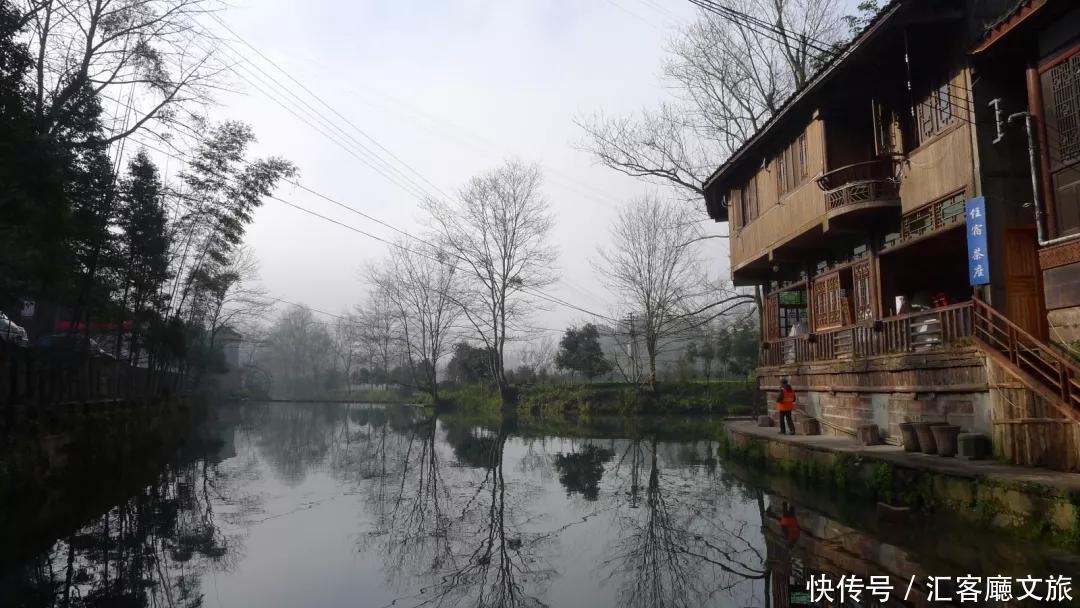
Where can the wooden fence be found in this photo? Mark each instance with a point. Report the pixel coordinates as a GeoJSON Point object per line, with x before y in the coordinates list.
{"type": "Point", "coordinates": [31, 377]}
{"type": "Point", "coordinates": [913, 332]}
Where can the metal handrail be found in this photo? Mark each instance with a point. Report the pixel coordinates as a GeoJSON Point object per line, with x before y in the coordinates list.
{"type": "Point", "coordinates": [861, 171]}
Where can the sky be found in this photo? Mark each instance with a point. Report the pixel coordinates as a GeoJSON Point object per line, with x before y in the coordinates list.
{"type": "Point", "coordinates": [451, 88]}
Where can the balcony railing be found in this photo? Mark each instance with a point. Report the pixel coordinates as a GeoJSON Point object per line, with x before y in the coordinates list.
{"type": "Point", "coordinates": [869, 181]}
{"type": "Point", "coordinates": [913, 332]}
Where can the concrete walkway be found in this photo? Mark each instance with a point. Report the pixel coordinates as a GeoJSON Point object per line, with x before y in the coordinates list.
{"type": "Point", "coordinates": [955, 466]}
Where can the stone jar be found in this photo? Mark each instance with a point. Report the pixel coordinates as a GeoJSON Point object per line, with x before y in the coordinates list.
{"type": "Point", "coordinates": [926, 437]}
{"type": "Point", "coordinates": [911, 438]}
{"type": "Point", "coordinates": [946, 437]}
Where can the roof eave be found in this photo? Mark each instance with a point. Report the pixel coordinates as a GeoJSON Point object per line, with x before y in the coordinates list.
{"type": "Point", "coordinates": [811, 88]}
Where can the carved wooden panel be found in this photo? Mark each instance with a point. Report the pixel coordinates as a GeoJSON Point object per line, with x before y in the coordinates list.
{"type": "Point", "coordinates": [1060, 255]}
{"type": "Point", "coordinates": [863, 286]}
{"type": "Point", "coordinates": [772, 317]}
{"type": "Point", "coordinates": [828, 304]}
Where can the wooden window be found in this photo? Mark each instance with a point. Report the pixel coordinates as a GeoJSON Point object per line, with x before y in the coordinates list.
{"type": "Point", "coordinates": [863, 291]}
{"type": "Point", "coordinates": [938, 110]}
{"type": "Point", "coordinates": [883, 129]}
{"type": "Point", "coordinates": [734, 202]}
{"type": "Point", "coordinates": [828, 302]}
{"type": "Point", "coordinates": [1063, 83]}
{"type": "Point", "coordinates": [793, 165]}
{"type": "Point", "coordinates": [1061, 96]}
{"type": "Point", "coordinates": [748, 201]}
{"type": "Point", "coordinates": [803, 158]}
{"type": "Point", "coordinates": [792, 311]}
{"type": "Point", "coordinates": [772, 317]}
{"type": "Point", "coordinates": [932, 217]}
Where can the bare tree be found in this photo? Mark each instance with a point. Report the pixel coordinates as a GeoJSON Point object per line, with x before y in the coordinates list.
{"type": "Point", "coordinates": [539, 355]}
{"type": "Point", "coordinates": [235, 298]}
{"type": "Point", "coordinates": [652, 265]}
{"type": "Point", "coordinates": [379, 332]}
{"type": "Point", "coordinates": [345, 338]}
{"type": "Point", "coordinates": [298, 353]}
{"type": "Point", "coordinates": [498, 232]}
{"type": "Point", "coordinates": [425, 293]}
{"type": "Point", "coordinates": [729, 76]}
{"type": "Point", "coordinates": [146, 61]}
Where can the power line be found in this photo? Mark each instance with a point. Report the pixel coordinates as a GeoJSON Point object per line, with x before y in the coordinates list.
{"type": "Point", "coordinates": [336, 134]}
{"type": "Point", "coordinates": [532, 292]}
{"type": "Point", "coordinates": [412, 169]}
{"type": "Point", "coordinates": [325, 104]}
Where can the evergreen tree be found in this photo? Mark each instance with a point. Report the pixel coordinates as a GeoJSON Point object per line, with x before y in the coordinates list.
{"type": "Point", "coordinates": [144, 246]}
{"type": "Point", "coordinates": [579, 351]}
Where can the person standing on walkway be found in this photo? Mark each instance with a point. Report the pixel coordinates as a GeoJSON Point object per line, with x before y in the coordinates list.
{"type": "Point", "coordinates": [785, 403]}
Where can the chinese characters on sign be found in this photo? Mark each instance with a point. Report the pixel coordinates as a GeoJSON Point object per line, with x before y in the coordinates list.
{"type": "Point", "coordinates": [850, 589]}
{"type": "Point", "coordinates": [978, 260]}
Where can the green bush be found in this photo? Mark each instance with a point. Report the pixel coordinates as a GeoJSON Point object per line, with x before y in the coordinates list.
{"type": "Point", "coordinates": [606, 398]}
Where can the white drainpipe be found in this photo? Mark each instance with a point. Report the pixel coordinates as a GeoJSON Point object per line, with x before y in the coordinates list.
{"type": "Point", "coordinates": [1039, 213]}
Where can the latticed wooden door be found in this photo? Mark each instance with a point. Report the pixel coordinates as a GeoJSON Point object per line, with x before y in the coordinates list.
{"type": "Point", "coordinates": [772, 317]}
{"type": "Point", "coordinates": [863, 279]}
{"type": "Point", "coordinates": [828, 305]}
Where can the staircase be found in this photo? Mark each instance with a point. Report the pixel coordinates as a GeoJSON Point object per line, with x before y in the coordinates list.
{"type": "Point", "coordinates": [1051, 375]}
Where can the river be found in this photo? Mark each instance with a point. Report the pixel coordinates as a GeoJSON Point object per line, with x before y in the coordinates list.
{"type": "Point", "coordinates": [313, 505]}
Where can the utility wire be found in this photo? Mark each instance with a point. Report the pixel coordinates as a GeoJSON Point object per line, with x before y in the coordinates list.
{"type": "Point", "coordinates": [326, 105]}
{"type": "Point", "coordinates": [435, 258]}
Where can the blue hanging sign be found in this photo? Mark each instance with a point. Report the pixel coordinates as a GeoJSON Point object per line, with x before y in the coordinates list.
{"type": "Point", "coordinates": [978, 252]}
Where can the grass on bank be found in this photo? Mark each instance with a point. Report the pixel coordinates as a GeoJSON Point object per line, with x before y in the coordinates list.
{"type": "Point", "coordinates": [612, 398]}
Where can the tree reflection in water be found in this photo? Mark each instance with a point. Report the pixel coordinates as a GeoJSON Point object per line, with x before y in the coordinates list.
{"type": "Point", "coordinates": [455, 513]}
{"type": "Point", "coordinates": [581, 472]}
{"type": "Point", "coordinates": [152, 549]}
{"type": "Point", "coordinates": [674, 546]}
{"type": "Point", "coordinates": [464, 543]}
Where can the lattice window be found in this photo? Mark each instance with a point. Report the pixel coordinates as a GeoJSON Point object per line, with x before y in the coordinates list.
{"type": "Point", "coordinates": [937, 111]}
{"type": "Point", "coordinates": [864, 291]}
{"type": "Point", "coordinates": [828, 302]}
{"type": "Point", "coordinates": [772, 317]}
{"type": "Point", "coordinates": [932, 217]}
{"type": "Point", "coordinates": [1065, 103]}
{"type": "Point", "coordinates": [792, 310]}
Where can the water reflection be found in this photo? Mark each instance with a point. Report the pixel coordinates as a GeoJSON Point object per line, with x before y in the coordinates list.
{"type": "Point", "coordinates": [151, 549]}
{"type": "Point", "coordinates": [329, 505]}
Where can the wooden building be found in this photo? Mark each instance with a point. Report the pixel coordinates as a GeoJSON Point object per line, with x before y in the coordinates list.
{"type": "Point", "coordinates": [888, 218]}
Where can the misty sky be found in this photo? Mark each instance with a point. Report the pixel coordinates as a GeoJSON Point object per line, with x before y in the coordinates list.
{"type": "Point", "coordinates": [451, 88]}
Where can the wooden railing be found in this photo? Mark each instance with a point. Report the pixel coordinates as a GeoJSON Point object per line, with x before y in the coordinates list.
{"type": "Point", "coordinates": [873, 180]}
{"type": "Point", "coordinates": [1051, 374]}
{"type": "Point", "coordinates": [912, 332]}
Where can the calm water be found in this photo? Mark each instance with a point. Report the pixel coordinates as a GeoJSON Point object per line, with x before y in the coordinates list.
{"type": "Point", "coordinates": [336, 505]}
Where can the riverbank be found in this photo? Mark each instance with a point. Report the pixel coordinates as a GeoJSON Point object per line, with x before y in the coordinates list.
{"type": "Point", "coordinates": [1034, 503]}
{"type": "Point", "coordinates": [731, 398]}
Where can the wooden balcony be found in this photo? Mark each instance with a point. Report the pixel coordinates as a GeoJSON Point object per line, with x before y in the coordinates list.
{"type": "Point", "coordinates": [854, 192]}
{"type": "Point", "coordinates": [912, 332]}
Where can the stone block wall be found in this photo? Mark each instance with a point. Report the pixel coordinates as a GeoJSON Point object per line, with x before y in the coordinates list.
{"type": "Point", "coordinates": [949, 384]}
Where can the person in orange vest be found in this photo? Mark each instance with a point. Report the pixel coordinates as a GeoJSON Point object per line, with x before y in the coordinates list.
{"type": "Point", "coordinates": [785, 403]}
{"type": "Point", "coordinates": [789, 524]}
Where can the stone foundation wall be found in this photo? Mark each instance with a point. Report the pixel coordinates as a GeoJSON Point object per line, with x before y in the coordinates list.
{"type": "Point", "coordinates": [1033, 509]}
{"type": "Point", "coordinates": [949, 384]}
